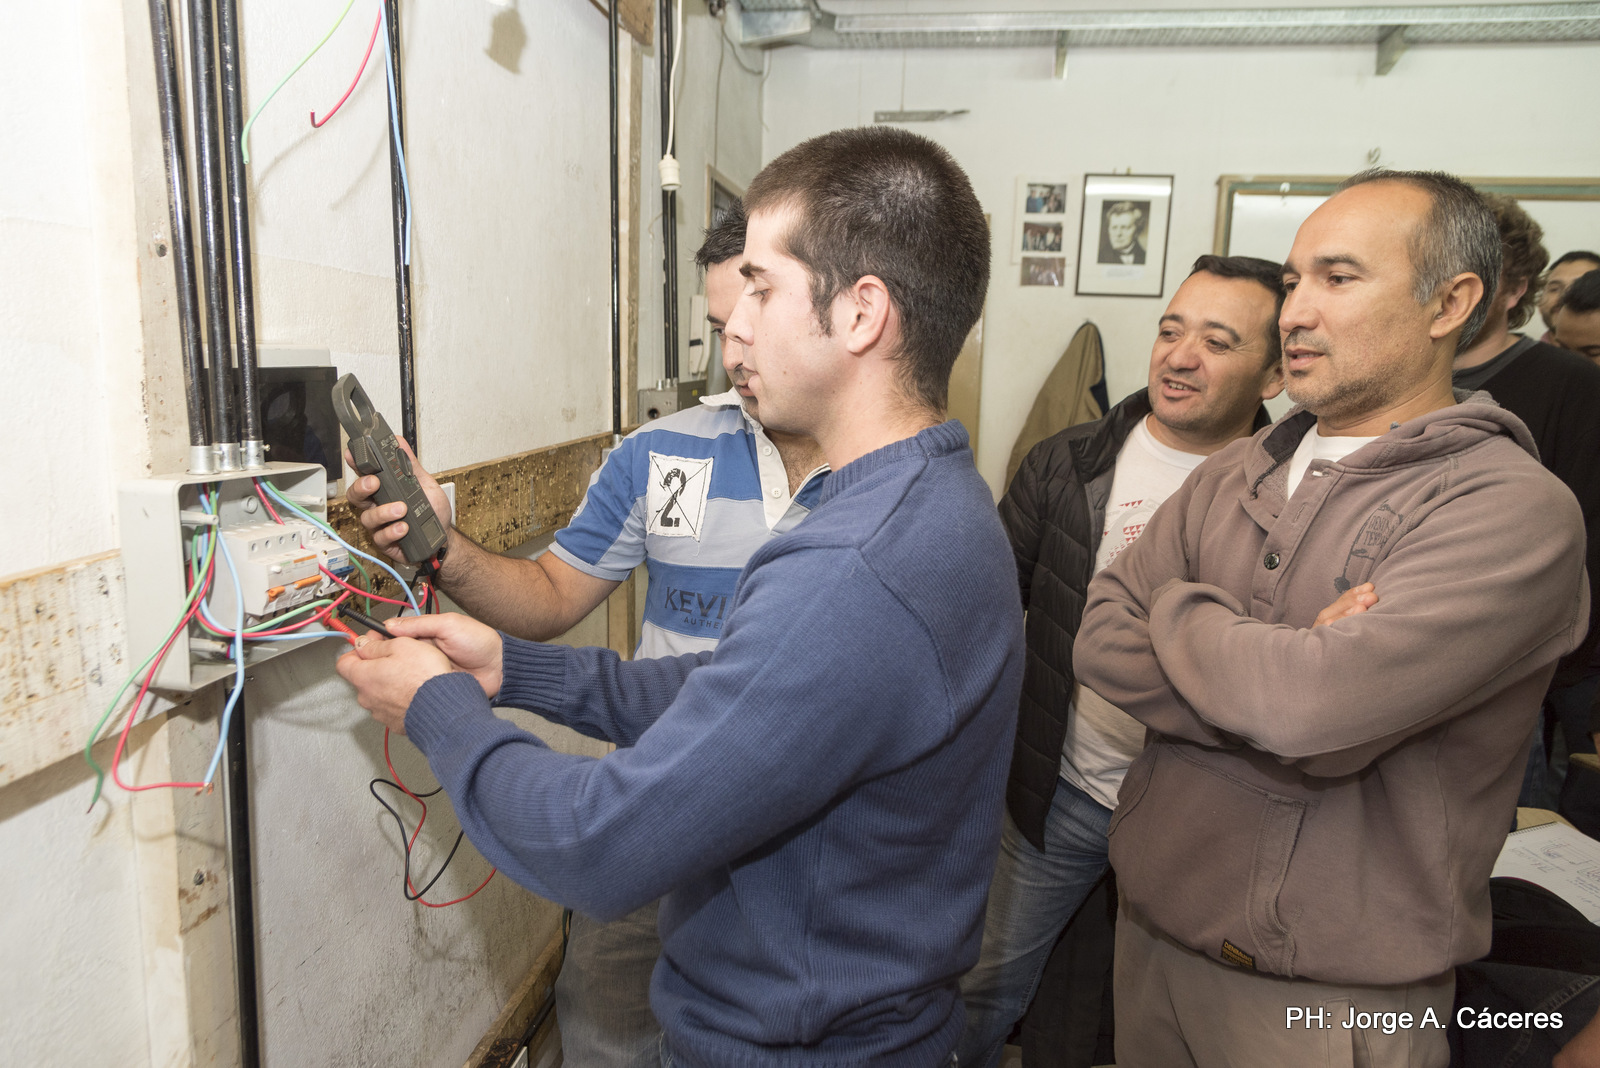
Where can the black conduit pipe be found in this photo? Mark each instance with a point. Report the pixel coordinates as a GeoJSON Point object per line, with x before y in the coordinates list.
{"type": "Point", "coordinates": [616, 244]}
{"type": "Point", "coordinates": [402, 270]}
{"type": "Point", "coordinates": [179, 240]}
{"type": "Point", "coordinates": [241, 886]}
{"type": "Point", "coordinates": [213, 238]}
{"type": "Point", "coordinates": [669, 204]}
{"type": "Point", "coordinates": [244, 293]}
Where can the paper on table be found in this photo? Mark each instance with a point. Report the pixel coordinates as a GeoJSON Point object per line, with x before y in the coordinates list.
{"type": "Point", "coordinates": [1558, 858]}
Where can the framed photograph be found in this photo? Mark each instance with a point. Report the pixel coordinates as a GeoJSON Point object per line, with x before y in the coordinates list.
{"type": "Point", "coordinates": [1122, 244]}
{"type": "Point", "coordinates": [1041, 217]}
{"type": "Point", "coordinates": [1044, 270]}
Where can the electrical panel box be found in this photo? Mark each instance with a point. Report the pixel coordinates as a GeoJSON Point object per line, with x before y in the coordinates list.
{"type": "Point", "coordinates": [669, 396]}
{"type": "Point", "coordinates": [280, 566]}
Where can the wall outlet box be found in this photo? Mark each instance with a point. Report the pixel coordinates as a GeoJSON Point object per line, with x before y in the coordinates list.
{"type": "Point", "coordinates": [279, 565]}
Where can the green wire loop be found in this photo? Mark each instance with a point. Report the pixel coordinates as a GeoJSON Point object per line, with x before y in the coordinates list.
{"type": "Point", "coordinates": [194, 591]}
{"type": "Point", "coordinates": [244, 135]}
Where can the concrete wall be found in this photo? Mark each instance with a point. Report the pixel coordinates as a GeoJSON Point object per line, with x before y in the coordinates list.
{"type": "Point", "coordinates": [1191, 113]}
{"type": "Point", "coordinates": [512, 288]}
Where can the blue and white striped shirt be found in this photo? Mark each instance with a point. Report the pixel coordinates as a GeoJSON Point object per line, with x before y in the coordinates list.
{"type": "Point", "coordinates": [691, 495]}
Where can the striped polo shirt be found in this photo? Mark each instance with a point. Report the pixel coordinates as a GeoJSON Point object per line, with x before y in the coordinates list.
{"type": "Point", "coordinates": [691, 495]}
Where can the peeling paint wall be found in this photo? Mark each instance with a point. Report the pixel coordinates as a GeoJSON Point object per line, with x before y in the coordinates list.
{"type": "Point", "coordinates": [1195, 113]}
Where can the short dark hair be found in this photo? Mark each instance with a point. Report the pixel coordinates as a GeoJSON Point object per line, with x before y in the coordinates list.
{"type": "Point", "coordinates": [725, 239]}
{"type": "Point", "coordinates": [1582, 296]}
{"type": "Point", "coordinates": [1580, 254]}
{"type": "Point", "coordinates": [887, 202]}
{"type": "Point", "coordinates": [1457, 236]}
{"type": "Point", "coordinates": [1254, 269]}
{"type": "Point", "coordinates": [1522, 251]}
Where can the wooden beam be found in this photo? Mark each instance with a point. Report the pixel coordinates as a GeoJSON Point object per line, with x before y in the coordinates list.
{"type": "Point", "coordinates": [636, 16]}
{"type": "Point", "coordinates": [503, 1039]}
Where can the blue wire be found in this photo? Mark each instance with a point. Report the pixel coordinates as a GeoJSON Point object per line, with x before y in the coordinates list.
{"type": "Point", "coordinates": [281, 499]}
{"type": "Point", "coordinates": [394, 122]}
{"type": "Point", "coordinates": [299, 635]}
{"type": "Point", "coordinates": [238, 659]}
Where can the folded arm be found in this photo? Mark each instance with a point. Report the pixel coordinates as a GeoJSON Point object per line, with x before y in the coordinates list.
{"type": "Point", "coordinates": [1460, 612]}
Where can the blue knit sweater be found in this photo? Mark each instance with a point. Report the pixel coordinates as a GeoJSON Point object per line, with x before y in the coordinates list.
{"type": "Point", "coordinates": [818, 800]}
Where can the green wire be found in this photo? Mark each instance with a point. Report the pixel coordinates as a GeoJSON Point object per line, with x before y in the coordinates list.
{"type": "Point", "coordinates": [366, 581]}
{"type": "Point", "coordinates": [88, 746]}
{"type": "Point", "coordinates": [244, 135]}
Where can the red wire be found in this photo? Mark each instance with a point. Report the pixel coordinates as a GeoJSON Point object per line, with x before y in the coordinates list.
{"type": "Point", "coordinates": [355, 81]}
{"type": "Point", "coordinates": [262, 493]}
{"type": "Point", "coordinates": [416, 833]}
{"type": "Point", "coordinates": [122, 739]}
{"type": "Point", "coordinates": [362, 593]}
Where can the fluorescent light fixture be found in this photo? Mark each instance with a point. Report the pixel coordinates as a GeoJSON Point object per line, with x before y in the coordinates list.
{"type": "Point", "coordinates": [926, 115]}
{"type": "Point", "coordinates": [1125, 189]}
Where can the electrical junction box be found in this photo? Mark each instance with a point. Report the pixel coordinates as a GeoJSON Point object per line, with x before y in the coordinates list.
{"type": "Point", "coordinates": [279, 565]}
{"type": "Point", "coordinates": [669, 396]}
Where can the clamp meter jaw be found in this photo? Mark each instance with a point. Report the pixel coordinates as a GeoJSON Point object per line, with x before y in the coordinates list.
{"type": "Point", "coordinates": [374, 450]}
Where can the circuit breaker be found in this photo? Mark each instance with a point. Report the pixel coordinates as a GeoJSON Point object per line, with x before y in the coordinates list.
{"type": "Point", "coordinates": [280, 566]}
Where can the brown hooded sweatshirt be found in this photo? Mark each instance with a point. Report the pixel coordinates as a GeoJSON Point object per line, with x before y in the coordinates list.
{"type": "Point", "coordinates": [1329, 802]}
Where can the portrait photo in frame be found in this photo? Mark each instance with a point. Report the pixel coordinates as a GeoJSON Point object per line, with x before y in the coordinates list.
{"type": "Point", "coordinates": [1122, 241]}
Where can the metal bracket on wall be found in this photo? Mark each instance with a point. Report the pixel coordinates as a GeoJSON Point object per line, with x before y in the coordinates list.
{"type": "Point", "coordinates": [1061, 56]}
{"type": "Point", "coordinates": [1391, 46]}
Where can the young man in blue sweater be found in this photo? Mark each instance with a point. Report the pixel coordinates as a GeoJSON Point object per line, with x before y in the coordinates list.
{"type": "Point", "coordinates": [819, 798]}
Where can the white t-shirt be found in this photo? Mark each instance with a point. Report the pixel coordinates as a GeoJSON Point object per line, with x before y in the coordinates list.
{"type": "Point", "coordinates": [1316, 447]}
{"type": "Point", "coordinates": [1102, 740]}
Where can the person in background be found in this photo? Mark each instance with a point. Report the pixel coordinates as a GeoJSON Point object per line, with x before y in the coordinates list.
{"type": "Point", "coordinates": [1556, 394]}
{"type": "Point", "coordinates": [819, 797]}
{"type": "Point", "coordinates": [1575, 323]}
{"type": "Point", "coordinates": [1314, 820]}
{"type": "Point", "coordinates": [1080, 498]}
{"type": "Point", "coordinates": [757, 483]}
{"type": "Point", "coordinates": [1567, 268]}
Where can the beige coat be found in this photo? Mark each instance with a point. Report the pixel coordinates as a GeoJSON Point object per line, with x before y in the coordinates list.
{"type": "Point", "coordinates": [1329, 802]}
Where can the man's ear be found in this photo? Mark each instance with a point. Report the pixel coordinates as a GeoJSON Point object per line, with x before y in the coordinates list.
{"type": "Point", "coordinates": [866, 311]}
{"type": "Point", "coordinates": [1456, 300]}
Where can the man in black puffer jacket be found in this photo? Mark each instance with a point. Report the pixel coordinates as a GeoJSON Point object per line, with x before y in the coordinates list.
{"type": "Point", "coordinates": [1079, 498]}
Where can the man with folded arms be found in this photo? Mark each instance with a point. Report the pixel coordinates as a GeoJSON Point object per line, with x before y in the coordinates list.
{"type": "Point", "coordinates": [1312, 826]}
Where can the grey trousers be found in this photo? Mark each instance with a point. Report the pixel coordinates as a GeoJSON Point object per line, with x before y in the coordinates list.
{"type": "Point", "coordinates": [603, 992]}
{"type": "Point", "coordinates": [1176, 1008]}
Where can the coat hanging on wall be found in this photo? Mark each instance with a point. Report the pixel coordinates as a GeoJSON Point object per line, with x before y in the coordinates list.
{"type": "Point", "coordinates": [1074, 393]}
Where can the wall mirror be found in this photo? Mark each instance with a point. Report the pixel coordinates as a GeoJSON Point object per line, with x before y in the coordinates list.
{"type": "Point", "coordinates": [1257, 215]}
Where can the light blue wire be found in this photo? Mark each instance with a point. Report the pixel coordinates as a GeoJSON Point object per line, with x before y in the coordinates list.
{"type": "Point", "coordinates": [297, 636]}
{"type": "Point", "coordinates": [238, 659]}
{"type": "Point", "coordinates": [394, 122]}
{"type": "Point", "coordinates": [281, 499]}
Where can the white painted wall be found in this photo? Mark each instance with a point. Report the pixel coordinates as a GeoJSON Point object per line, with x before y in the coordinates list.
{"type": "Point", "coordinates": [53, 432]}
{"type": "Point", "coordinates": [1192, 113]}
{"type": "Point", "coordinates": [719, 123]}
{"type": "Point", "coordinates": [512, 290]}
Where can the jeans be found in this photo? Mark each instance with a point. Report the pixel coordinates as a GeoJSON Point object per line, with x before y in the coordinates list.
{"type": "Point", "coordinates": [1033, 896]}
{"type": "Point", "coordinates": [1514, 988]}
{"type": "Point", "coordinates": [665, 1058]}
{"type": "Point", "coordinates": [1566, 710]}
{"type": "Point", "coordinates": [603, 992]}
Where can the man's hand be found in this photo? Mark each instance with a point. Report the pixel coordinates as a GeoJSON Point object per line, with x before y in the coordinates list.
{"type": "Point", "coordinates": [470, 646]}
{"type": "Point", "coordinates": [388, 673]}
{"type": "Point", "coordinates": [1351, 602]}
{"type": "Point", "coordinates": [386, 521]}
